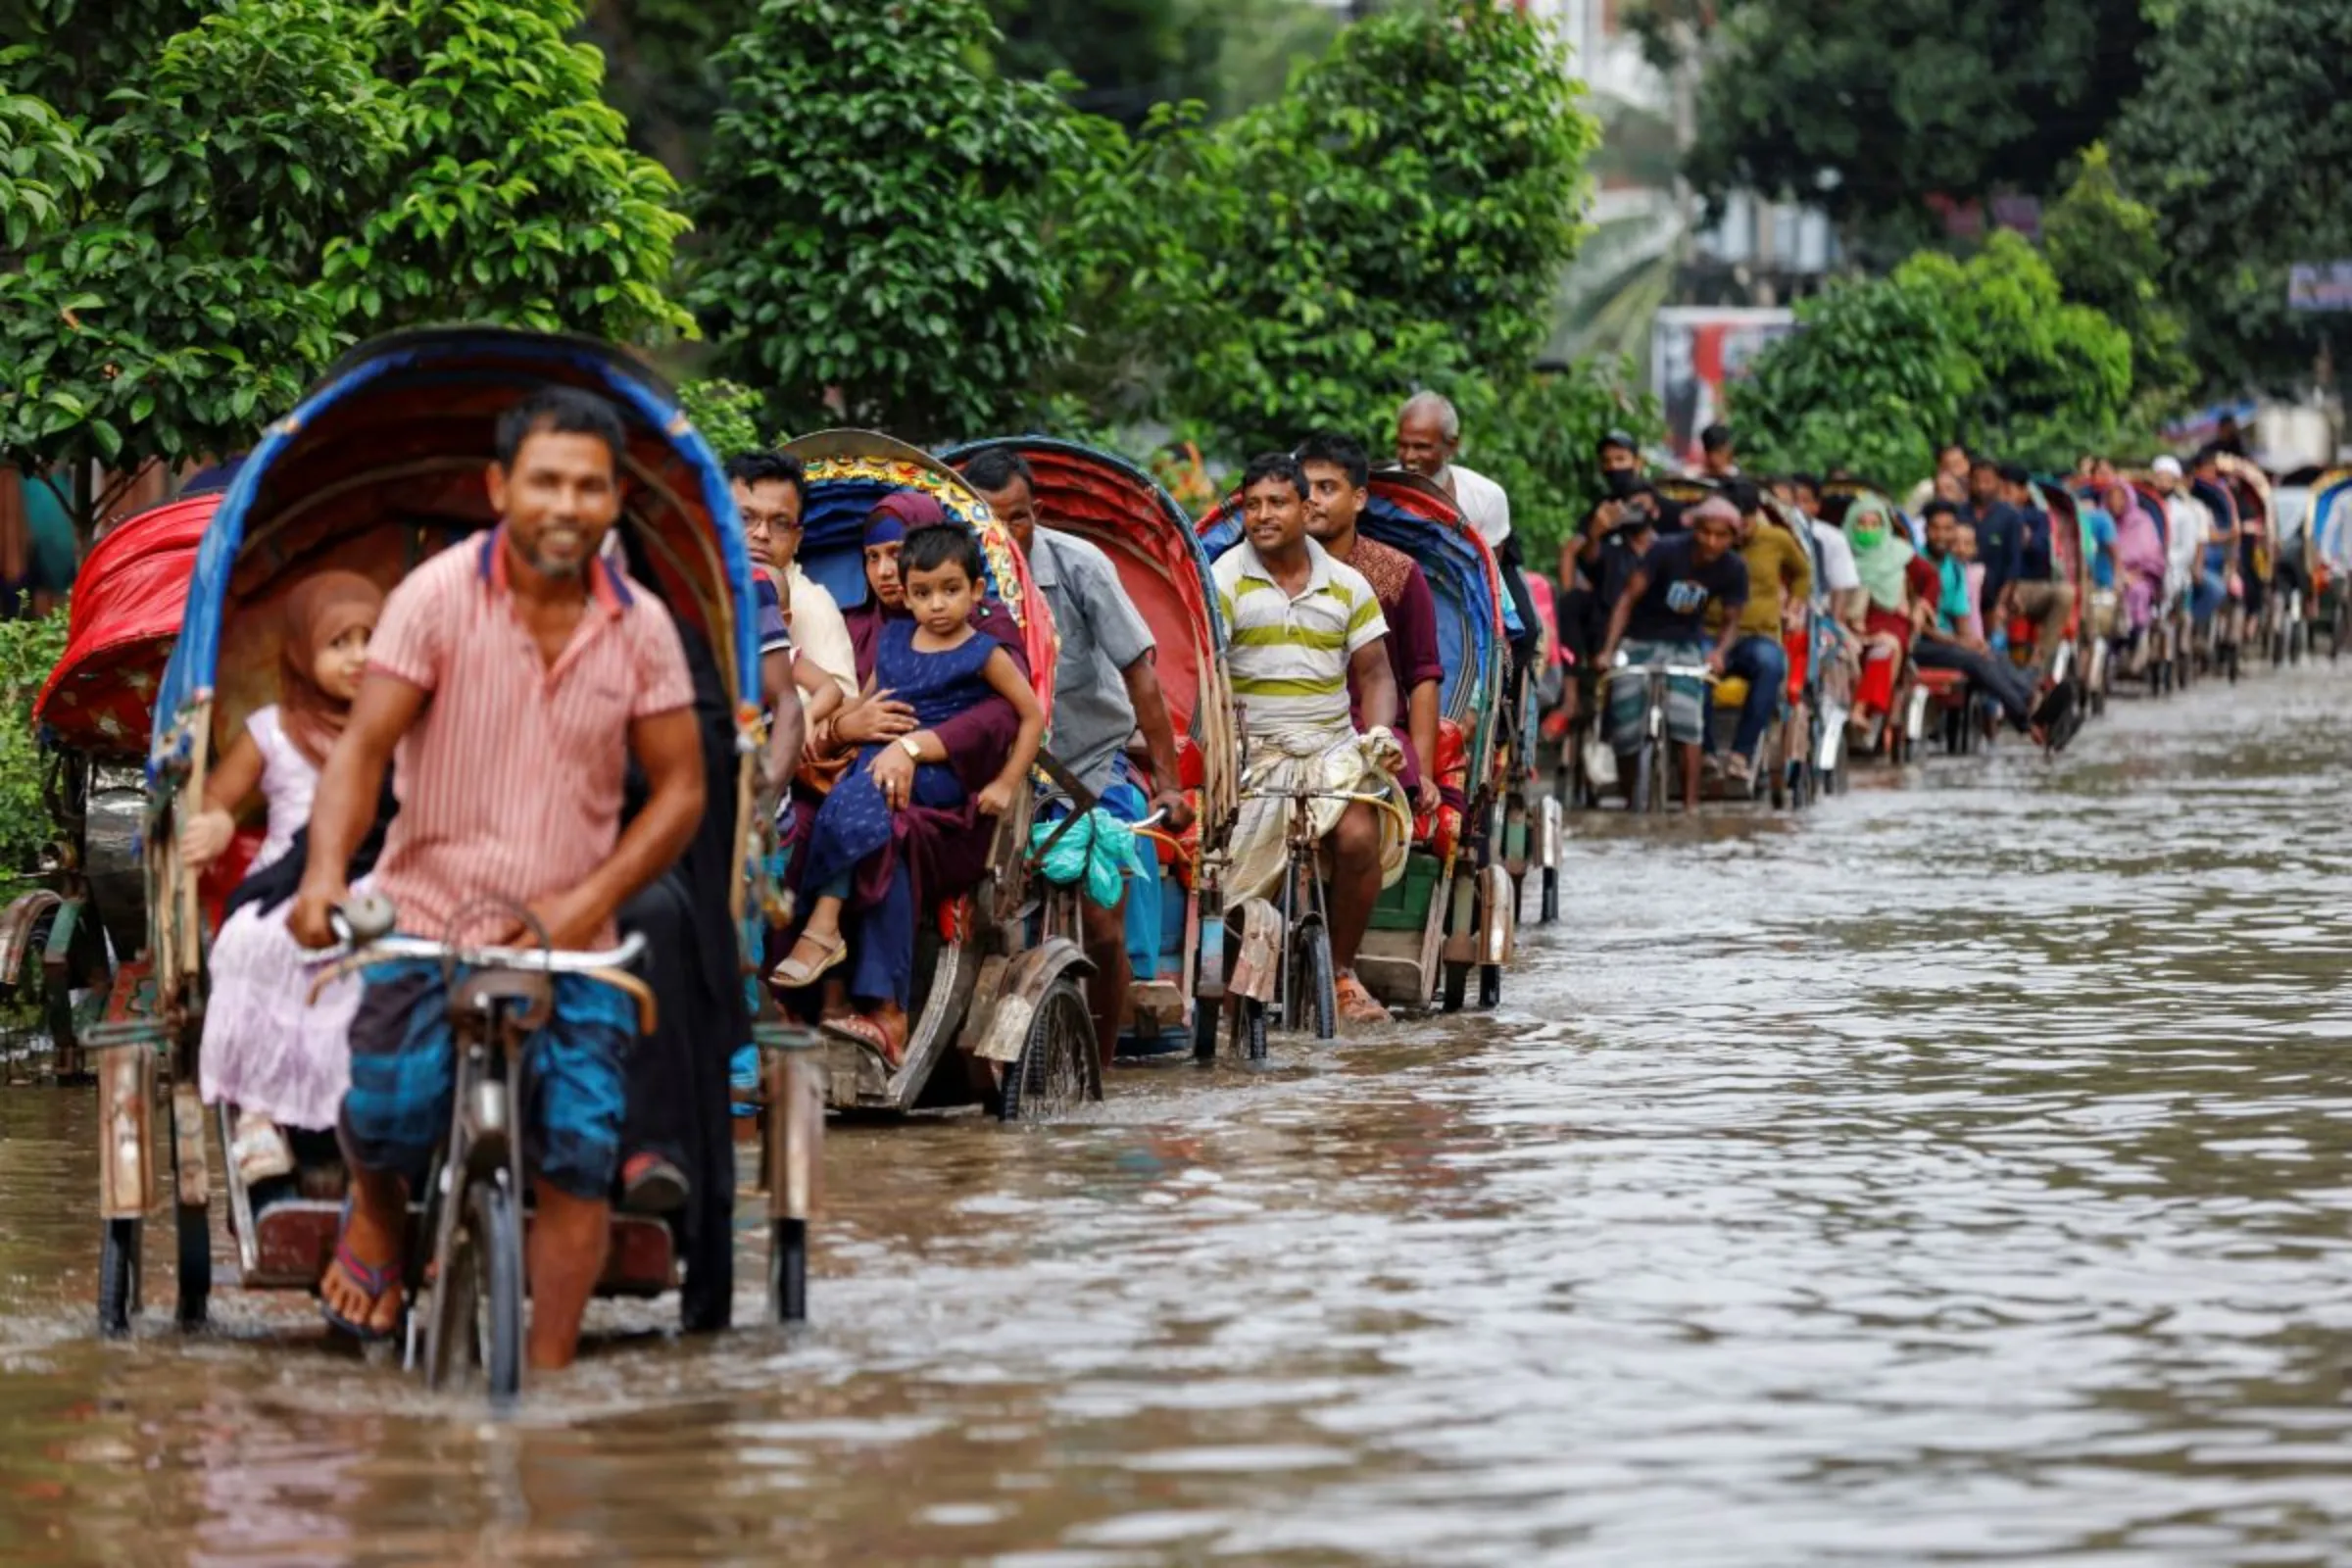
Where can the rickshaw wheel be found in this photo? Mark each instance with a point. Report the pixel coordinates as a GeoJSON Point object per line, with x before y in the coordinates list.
{"type": "Point", "coordinates": [1249, 1029]}
{"type": "Point", "coordinates": [1646, 782]}
{"type": "Point", "coordinates": [1058, 1071]}
{"type": "Point", "coordinates": [1457, 986]}
{"type": "Point", "coordinates": [1313, 999]}
{"type": "Point", "coordinates": [192, 1230]}
{"type": "Point", "coordinates": [788, 1270]}
{"type": "Point", "coordinates": [476, 1321]}
{"type": "Point", "coordinates": [119, 1277]}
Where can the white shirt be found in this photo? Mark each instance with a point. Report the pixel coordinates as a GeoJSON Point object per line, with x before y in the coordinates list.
{"type": "Point", "coordinates": [818, 633]}
{"type": "Point", "coordinates": [2190, 527]}
{"type": "Point", "coordinates": [1837, 572]}
{"type": "Point", "coordinates": [1483, 503]}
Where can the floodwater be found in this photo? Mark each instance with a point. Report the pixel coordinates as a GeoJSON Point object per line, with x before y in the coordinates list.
{"type": "Point", "coordinates": [1955, 1175]}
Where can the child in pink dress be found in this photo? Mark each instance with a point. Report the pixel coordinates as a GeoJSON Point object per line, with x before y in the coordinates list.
{"type": "Point", "coordinates": [267, 1051]}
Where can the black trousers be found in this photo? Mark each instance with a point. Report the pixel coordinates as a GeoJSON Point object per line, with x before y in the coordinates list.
{"type": "Point", "coordinates": [2012, 688]}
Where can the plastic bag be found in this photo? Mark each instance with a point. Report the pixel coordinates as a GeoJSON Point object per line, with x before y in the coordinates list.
{"type": "Point", "coordinates": [1098, 849]}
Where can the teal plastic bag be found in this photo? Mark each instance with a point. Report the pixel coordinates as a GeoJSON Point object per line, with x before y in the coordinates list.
{"type": "Point", "coordinates": [1098, 849]}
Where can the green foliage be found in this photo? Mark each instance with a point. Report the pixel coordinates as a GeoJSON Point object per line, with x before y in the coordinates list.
{"type": "Point", "coordinates": [1869, 109]}
{"type": "Point", "coordinates": [1876, 377]}
{"type": "Point", "coordinates": [2240, 140]}
{"type": "Point", "coordinates": [1540, 445]}
{"type": "Point", "coordinates": [876, 207]}
{"type": "Point", "coordinates": [204, 203]}
{"type": "Point", "coordinates": [1989, 349]}
{"type": "Point", "coordinates": [28, 650]}
{"type": "Point", "coordinates": [2054, 377]}
{"type": "Point", "coordinates": [2108, 254]}
{"type": "Point", "coordinates": [513, 197]}
{"type": "Point", "coordinates": [1398, 220]}
{"type": "Point", "coordinates": [728, 414]}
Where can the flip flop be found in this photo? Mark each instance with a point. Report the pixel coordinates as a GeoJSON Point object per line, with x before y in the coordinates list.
{"type": "Point", "coordinates": [373, 1280]}
{"type": "Point", "coordinates": [1356, 1002]}
{"type": "Point", "coordinates": [873, 1033]}
{"type": "Point", "coordinates": [793, 978]}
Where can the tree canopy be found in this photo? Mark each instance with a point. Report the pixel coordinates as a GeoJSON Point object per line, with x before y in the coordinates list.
{"type": "Point", "coordinates": [204, 203]}
{"type": "Point", "coordinates": [2241, 142]}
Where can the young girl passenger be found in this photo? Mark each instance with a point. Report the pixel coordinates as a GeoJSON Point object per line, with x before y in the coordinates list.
{"type": "Point", "coordinates": [281, 1061]}
{"type": "Point", "coordinates": [938, 665]}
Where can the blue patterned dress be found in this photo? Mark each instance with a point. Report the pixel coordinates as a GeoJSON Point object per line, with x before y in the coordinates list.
{"type": "Point", "coordinates": [854, 821]}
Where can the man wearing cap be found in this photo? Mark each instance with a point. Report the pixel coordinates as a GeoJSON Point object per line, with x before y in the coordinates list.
{"type": "Point", "coordinates": [2188, 529]}
{"type": "Point", "coordinates": [1660, 618]}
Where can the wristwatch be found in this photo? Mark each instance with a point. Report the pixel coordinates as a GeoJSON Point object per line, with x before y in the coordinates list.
{"type": "Point", "coordinates": [906, 744]}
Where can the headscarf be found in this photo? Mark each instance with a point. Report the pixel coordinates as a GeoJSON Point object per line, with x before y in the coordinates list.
{"type": "Point", "coordinates": [1879, 556]}
{"type": "Point", "coordinates": [900, 513]}
{"type": "Point", "coordinates": [321, 608]}
{"type": "Point", "coordinates": [2138, 543]}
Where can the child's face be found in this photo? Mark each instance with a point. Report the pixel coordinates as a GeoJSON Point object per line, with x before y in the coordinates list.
{"type": "Point", "coordinates": [341, 663]}
{"type": "Point", "coordinates": [941, 599]}
{"type": "Point", "coordinates": [1964, 545]}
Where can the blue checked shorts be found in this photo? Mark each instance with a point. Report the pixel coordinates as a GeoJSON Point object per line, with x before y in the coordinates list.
{"type": "Point", "coordinates": [403, 1077]}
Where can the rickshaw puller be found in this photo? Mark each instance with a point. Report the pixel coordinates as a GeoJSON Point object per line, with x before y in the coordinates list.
{"type": "Point", "coordinates": [1305, 625]}
{"type": "Point", "coordinates": [503, 672]}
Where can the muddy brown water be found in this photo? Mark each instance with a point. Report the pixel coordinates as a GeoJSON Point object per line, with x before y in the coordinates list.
{"type": "Point", "coordinates": [1957, 1174]}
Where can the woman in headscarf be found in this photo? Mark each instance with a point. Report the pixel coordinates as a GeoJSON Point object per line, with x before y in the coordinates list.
{"type": "Point", "coordinates": [937, 852]}
{"type": "Point", "coordinates": [267, 1049]}
{"type": "Point", "coordinates": [2140, 557]}
{"type": "Point", "coordinates": [1895, 576]}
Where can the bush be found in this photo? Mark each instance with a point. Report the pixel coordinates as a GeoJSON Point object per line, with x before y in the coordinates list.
{"type": "Point", "coordinates": [28, 651]}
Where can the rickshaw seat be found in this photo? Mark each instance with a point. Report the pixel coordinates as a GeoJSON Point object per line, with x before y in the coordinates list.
{"type": "Point", "coordinates": [1940, 682]}
{"type": "Point", "coordinates": [225, 876]}
{"type": "Point", "coordinates": [1730, 692]}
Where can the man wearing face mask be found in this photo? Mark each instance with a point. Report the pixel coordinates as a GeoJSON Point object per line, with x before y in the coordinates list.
{"type": "Point", "coordinates": [1622, 478]}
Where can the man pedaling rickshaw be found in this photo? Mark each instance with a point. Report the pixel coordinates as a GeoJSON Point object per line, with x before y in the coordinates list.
{"type": "Point", "coordinates": [1107, 690]}
{"type": "Point", "coordinates": [1305, 627]}
{"type": "Point", "coordinates": [501, 671]}
{"type": "Point", "coordinates": [1660, 618]}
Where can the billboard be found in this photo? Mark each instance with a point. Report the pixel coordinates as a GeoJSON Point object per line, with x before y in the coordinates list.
{"type": "Point", "coordinates": [1696, 350]}
{"type": "Point", "coordinates": [2319, 286]}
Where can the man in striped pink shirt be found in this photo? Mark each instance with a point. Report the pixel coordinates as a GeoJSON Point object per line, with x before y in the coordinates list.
{"type": "Point", "coordinates": [505, 677]}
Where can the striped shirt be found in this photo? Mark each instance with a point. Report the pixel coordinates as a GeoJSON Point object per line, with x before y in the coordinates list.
{"type": "Point", "coordinates": [510, 782]}
{"type": "Point", "coordinates": [1289, 656]}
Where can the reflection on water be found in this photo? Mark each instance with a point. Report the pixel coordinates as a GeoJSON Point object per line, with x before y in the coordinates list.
{"type": "Point", "coordinates": [1956, 1174]}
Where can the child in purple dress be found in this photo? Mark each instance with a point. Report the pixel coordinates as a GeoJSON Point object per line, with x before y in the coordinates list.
{"type": "Point", "coordinates": [267, 1051]}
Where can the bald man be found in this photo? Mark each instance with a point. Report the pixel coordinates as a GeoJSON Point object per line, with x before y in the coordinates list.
{"type": "Point", "coordinates": [1428, 434]}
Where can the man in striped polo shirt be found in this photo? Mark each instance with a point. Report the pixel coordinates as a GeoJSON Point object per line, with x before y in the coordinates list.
{"type": "Point", "coordinates": [1303, 624]}
{"type": "Point", "coordinates": [514, 674]}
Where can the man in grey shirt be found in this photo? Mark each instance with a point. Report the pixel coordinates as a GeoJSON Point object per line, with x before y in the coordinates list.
{"type": "Point", "coordinates": [1105, 688]}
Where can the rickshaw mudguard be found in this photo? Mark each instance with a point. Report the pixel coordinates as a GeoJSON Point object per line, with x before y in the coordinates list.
{"type": "Point", "coordinates": [1497, 915]}
{"type": "Point", "coordinates": [995, 1026]}
{"type": "Point", "coordinates": [792, 1070]}
{"type": "Point", "coordinates": [1259, 961]}
{"type": "Point", "coordinates": [17, 923]}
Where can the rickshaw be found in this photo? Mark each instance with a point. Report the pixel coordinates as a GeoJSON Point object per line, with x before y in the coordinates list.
{"type": "Point", "coordinates": [2327, 556]}
{"type": "Point", "coordinates": [89, 924]}
{"type": "Point", "coordinates": [1452, 911]}
{"type": "Point", "coordinates": [1179, 969]}
{"type": "Point", "coordinates": [1909, 691]}
{"type": "Point", "coordinates": [1455, 909]}
{"type": "Point", "coordinates": [2275, 598]}
{"type": "Point", "coordinates": [996, 1021]}
{"type": "Point", "coordinates": [2163, 659]}
{"type": "Point", "coordinates": [378, 467]}
{"type": "Point", "coordinates": [2067, 559]}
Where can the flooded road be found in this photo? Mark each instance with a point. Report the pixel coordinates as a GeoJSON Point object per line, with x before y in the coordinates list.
{"type": "Point", "coordinates": [1957, 1174]}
